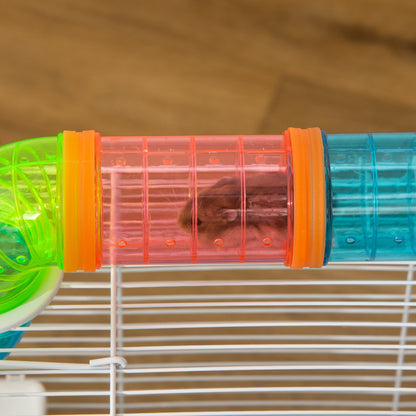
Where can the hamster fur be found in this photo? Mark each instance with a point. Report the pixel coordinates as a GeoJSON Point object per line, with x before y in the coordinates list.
{"type": "Point", "coordinates": [219, 207]}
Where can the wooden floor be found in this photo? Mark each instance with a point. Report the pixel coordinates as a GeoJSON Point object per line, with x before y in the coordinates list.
{"type": "Point", "coordinates": [204, 67]}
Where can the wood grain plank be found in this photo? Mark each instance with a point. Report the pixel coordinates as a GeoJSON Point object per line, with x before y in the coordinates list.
{"type": "Point", "coordinates": [174, 67]}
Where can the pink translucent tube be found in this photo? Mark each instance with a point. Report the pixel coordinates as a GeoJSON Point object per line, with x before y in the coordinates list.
{"type": "Point", "coordinates": [181, 199]}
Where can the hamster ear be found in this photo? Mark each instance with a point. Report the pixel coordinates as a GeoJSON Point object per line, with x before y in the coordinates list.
{"type": "Point", "coordinates": [228, 181]}
{"type": "Point", "coordinates": [229, 215]}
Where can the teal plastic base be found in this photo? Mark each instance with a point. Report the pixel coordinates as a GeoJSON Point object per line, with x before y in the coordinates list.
{"type": "Point", "coordinates": [10, 339]}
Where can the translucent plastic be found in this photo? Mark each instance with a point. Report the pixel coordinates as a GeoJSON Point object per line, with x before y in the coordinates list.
{"type": "Point", "coordinates": [373, 179]}
{"type": "Point", "coordinates": [10, 339]}
{"type": "Point", "coordinates": [28, 217]}
{"type": "Point", "coordinates": [194, 199]}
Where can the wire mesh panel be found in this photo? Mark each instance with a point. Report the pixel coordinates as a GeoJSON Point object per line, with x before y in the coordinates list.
{"type": "Point", "coordinates": [225, 340]}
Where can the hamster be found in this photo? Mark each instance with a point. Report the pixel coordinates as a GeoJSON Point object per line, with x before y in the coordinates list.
{"type": "Point", "coordinates": [219, 206]}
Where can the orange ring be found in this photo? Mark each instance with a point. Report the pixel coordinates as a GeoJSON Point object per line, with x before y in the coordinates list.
{"type": "Point", "coordinates": [79, 206]}
{"type": "Point", "coordinates": [302, 198]}
{"type": "Point", "coordinates": [87, 243]}
{"type": "Point", "coordinates": [319, 199]}
{"type": "Point", "coordinates": [98, 203]}
{"type": "Point", "coordinates": [309, 198]}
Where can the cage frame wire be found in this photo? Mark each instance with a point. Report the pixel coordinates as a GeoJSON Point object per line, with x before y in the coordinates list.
{"type": "Point", "coordinates": [115, 366]}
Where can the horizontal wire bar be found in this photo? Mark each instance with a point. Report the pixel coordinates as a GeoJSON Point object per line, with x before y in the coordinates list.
{"type": "Point", "coordinates": [85, 285]}
{"type": "Point", "coordinates": [227, 378]}
{"type": "Point", "coordinates": [196, 337]}
{"type": "Point", "coordinates": [263, 377]}
{"type": "Point", "coordinates": [217, 296]}
{"type": "Point", "coordinates": [91, 311]}
{"type": "Point", "coordinates": [274, 413]}
{"type": "Point", "coordinates": [64, 393]}
{"type": "Point", "coordinates": [292, 389]}
{"type": "Point", "coordinates": [57, 351]}
{"type": "Point", "coordinates": [232, 283]}
{"type": "Point", "coordinates": [251, 304]}
{"type": "Point", "coordinates": [80, 340]}
{"type": "Point", "coordinates": [38, 368]}
{"type": "Point", "coordinates": [257, 310]}
{"type": "Point", "coordinates": [63, 327]}
{"type": "Point", "coordinates": [258, 413]}
{"type": "Point", "coordinates": [235, 347]}
{"type": "Point", "coordinates": [183, 348]}
{"type": "Point", "coordinates": [305, 350]}
{"type": "Point", "coordinates": [249, 283]}
{"type": "Point", "coordinates": [26, 371]}
{"type": "Point", "coordinates": [217, 390]}
{"type": "Point", "coordinates": [201, 325]}
{"type": "Point", "coordinates": [300, 366]}
{"type": "Point", "coordinates": [206, 325]}
{"type": "Point", "coordinates": [267, 324]}
{"type": "Point", "coordinates": [237, 403]}
{"type": "Point", "coordinates": [139, 351]}
{"type": "Point", "coordinates": [46, 366]}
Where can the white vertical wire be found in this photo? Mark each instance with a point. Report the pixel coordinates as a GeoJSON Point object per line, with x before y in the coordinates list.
{"type": "Point", "coordinates": [403, 335]}
{"type": "Point", "coordinates": [113, 341]}
{"type": "Point", "coordinates": [120, 335]}
{"type": "Point", "coordinates": [113, 297]}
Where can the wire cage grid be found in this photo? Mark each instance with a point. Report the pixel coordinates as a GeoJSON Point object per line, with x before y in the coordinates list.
{"type": "Point", "coordinates": [224, 340]}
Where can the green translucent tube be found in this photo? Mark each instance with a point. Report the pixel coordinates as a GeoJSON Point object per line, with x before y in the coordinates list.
{"type": "Point", "coordinates": [28, 217]}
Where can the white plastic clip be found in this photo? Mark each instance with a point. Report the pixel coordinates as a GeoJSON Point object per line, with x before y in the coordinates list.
{"type": "Point", "coordinates": [104, 362]}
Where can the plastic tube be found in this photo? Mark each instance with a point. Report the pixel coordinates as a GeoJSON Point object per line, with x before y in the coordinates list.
{"type": "Point", "coordinates": [302, 198]}
{"type": "Point", "coordinates": [10, 339]}
{"type": "Point", "coordinates": [373, 185]}
{"type": "Point", "coordinates": [28, 218]}
{"type": "Point", "coordinates": [198, 214]}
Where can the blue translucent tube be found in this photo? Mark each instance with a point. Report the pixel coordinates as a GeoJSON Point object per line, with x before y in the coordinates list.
{"type": "Point", "coordinates": [10, 339]}
{"type": "Point", "coordinates": [372, 192]}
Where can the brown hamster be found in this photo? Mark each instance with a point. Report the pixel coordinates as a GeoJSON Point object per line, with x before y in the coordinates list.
{"type": "Point", "coordinates": [219, 206]}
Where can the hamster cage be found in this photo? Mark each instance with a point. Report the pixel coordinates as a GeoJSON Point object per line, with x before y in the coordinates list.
{"type": "Point", "coordinates": [192, 311]}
